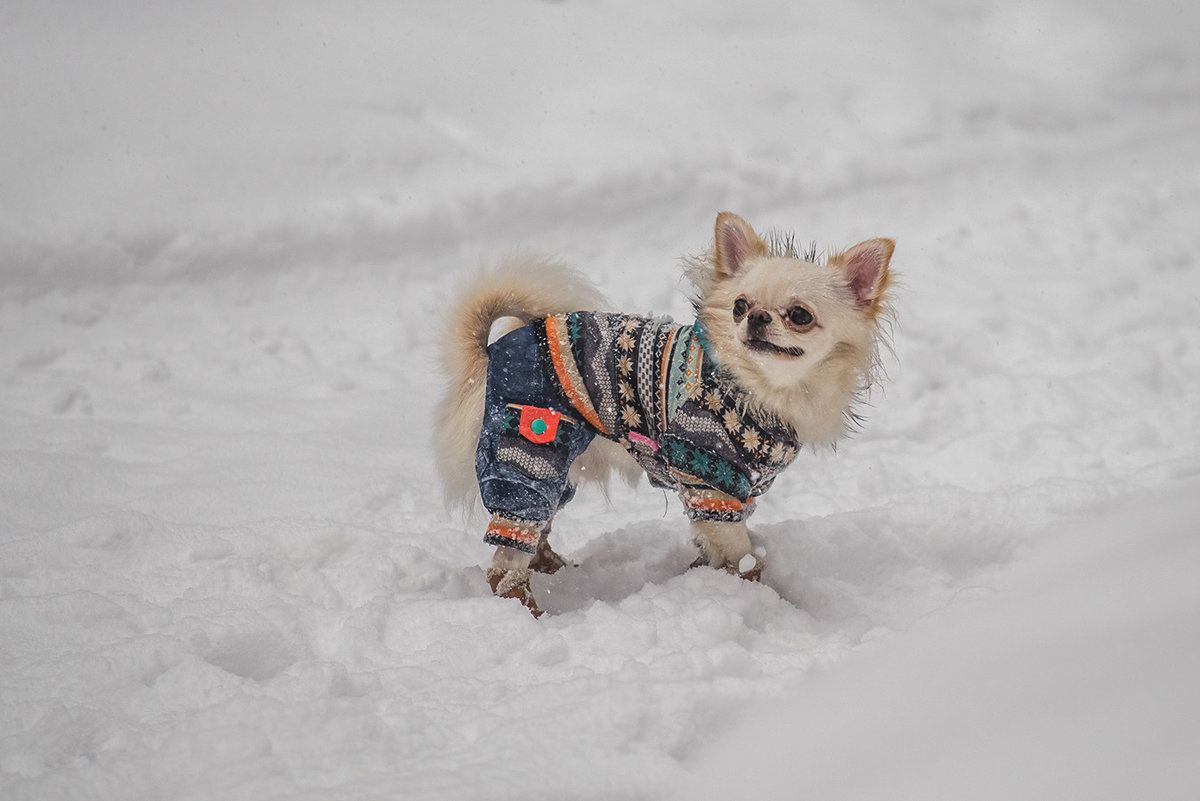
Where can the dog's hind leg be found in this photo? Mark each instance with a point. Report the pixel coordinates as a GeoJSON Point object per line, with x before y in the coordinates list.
{"type": "Point", "coordinates": [545, 559]}
{"type": "Point", "coordinates": [509, 577]}
{"type": "Point", "coordinates": [512, 569]}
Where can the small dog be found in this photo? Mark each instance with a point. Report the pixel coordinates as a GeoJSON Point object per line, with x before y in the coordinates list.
{"type": "Point", "coordinates": [545, 391]}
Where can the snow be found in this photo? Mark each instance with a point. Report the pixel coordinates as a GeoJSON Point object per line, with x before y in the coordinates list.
{"type": "Point", "coordinates": [228, 235]}
{"type": "Point", "coordinates": [1076, 679]}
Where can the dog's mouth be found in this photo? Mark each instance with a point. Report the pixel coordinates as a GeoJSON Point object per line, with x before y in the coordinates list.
{"type": "Point", "coordinates": [766, 346]}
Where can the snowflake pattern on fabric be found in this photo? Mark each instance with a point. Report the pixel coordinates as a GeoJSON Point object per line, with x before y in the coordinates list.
{"type": "Point", "coordinates": [651, 385]}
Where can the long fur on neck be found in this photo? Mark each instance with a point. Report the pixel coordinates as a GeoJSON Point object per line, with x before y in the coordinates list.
{"type": "Point", "coordinates": [825, 408]}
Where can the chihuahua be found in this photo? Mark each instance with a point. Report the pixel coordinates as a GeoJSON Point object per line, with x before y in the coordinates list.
{"type": "Point", "coordinates": [546, 390]}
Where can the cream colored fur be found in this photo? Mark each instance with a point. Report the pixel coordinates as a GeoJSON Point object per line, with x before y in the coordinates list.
{"type": "Point", "coordinates": [524, 287]}
{"type": "Point", "coordinates": [814, 394]}
{"type": "Point", "coordinates": [724, 544]}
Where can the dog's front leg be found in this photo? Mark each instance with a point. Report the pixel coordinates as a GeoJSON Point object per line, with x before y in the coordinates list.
{"type": "Point", "coordinates": [509, 577]}
{"type": "Point", "coordinates": [726, 546]}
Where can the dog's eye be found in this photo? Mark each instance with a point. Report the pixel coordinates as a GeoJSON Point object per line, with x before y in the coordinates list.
{"type": "Point", "coordinates": [740, 307]}
{"type": "Point", "coordinates": [800, 316]}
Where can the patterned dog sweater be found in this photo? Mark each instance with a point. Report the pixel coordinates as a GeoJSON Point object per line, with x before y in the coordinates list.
{"type": "Point", "coordinates": [650, 384]}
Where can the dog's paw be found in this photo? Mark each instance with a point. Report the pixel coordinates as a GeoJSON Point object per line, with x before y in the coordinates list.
{"type": "Point", "coordinates": [750, 567]}
{"type": "Point", "coordinates": [513, 583]}
{"type": "Point", "coordinates": [546, 560]}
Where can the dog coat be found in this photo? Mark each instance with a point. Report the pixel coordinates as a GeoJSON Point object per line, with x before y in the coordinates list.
{"type": "Point", "coordinates": [651, 385]}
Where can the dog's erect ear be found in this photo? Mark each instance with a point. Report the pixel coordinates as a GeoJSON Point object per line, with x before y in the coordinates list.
{"type": "Point", "coordinates": [736, 243]}
{"type": "Point", "coordinates": [866, 268]}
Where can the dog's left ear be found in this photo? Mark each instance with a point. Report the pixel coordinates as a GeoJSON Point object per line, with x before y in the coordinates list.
{"type": "Point", "coordinates": [736, 243]}
{"type": "Point", "coordinates": [866, 269]}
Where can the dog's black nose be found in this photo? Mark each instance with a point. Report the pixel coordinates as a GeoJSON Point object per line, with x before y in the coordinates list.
{"type": "Point", "coordinates": [758, 319]}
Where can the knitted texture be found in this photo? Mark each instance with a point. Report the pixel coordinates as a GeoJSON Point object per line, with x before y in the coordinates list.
{"type": "Point", "coordinates": [651, 385]}
{"type": "Point", "coordinates": [520, 534]}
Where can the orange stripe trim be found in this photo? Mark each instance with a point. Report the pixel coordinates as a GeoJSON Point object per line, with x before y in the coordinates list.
{"type": "Point", "coordinates": [662, 378]}
{"type": "Point", "coordinates": [521, 535]}
{"type": "Point", "coordinates": [560, 369]}
{"type": "Point", "coordinates": [717, 504]}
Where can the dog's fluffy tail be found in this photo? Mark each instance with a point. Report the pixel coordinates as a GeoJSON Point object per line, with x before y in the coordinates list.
{"type": "Point", "coordinates": [523, 287]}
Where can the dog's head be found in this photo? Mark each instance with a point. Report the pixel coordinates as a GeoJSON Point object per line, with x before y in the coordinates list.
{"type": "Point", "coordinates": [800, 337]}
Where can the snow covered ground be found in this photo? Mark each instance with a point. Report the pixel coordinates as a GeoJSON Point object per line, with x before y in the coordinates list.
{"type": "Point", "coordinates": [228, 234]}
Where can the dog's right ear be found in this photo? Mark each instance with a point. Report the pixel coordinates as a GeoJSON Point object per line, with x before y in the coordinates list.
{"type": "Point", "coordinates": [866, 269]}
{"type": "Point", "coordinates": [736, 243]}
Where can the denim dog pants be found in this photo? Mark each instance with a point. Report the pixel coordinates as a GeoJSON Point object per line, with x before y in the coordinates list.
{"type": "Point", "coordinates": [528, 441]}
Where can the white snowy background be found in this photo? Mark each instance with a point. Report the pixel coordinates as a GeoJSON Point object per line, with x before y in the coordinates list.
{"type": "Point", "coordinates": [230, 231]}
